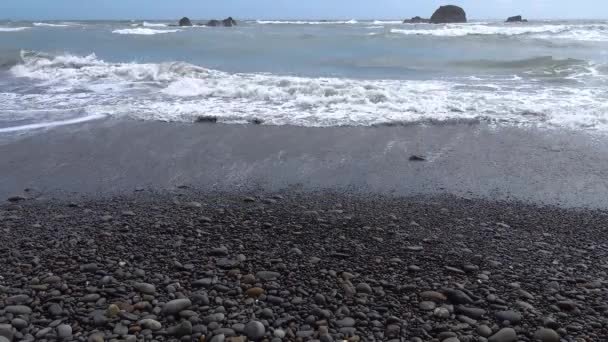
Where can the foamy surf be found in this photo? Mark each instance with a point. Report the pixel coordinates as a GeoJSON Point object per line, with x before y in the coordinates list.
{"type": "Point", "coordinates": [143, 31]}
{"type": "Point", "coordinates": [43, 125]}
{"type": "Point", "coordinates": [148, 24]}
{"type": "Point", "coordinates": [50, 25]}
{"type": "Point", "coordinates": [572, 32]}
{"type": "Point", "coordinates": [181, 92]}
{"type": "Point", "coordinates": [13, 29]}
{"type": "Point", "coordinates": [304, 22]}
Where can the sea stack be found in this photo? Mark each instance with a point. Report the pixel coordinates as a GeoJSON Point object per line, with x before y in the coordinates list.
{"type": "Point", "coordinates": [516, 19]}
{"type": "Point", "coordinates": [185, 22]}
{"type": "Point", "coordinates": [228, 22]}
{"type": "Point", "coordinates": [449, 14]}
{"type": "Point", "coordinates": [416, 20]}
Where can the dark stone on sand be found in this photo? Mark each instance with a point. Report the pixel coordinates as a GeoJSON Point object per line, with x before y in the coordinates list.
{"type": "Point", "coordinates": [417, 158]}
{"type": "Point", "coordinates": [255, 330]}
{"type": "Point", "coordinates": [175, 306]}
{"type": "Point", "coordinates": [504, 335]}
{"type": "Point", "coordinates": [205, 119]}
{"type": "Point", "coordinates": [457, 296]}
{"type": "Point", "coordinates": [516, 19]}
{"type": "Point", "coordinates": [416, 20]}
{"type": "Point", "coordinates": [547, 335]}
{"type": "Point", "coordinates": [185, 21]}
{"type": "Point", "coordinates": [16, 198]}
{"type": "Point", "coordinates": [449, 14]}
{"type": "Point", "coordinates": [513, 317]}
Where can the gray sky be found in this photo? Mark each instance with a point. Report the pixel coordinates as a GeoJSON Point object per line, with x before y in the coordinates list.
{"type": "Point", "coordinates": [294, 9]}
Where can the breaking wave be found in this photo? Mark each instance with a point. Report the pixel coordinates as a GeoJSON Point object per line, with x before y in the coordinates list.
{"type": "Point", "coordinates": [13, 29]}
{"type": "Point", "coordinates": [143, 31]}
{"type": "Point", "coordinates": [304, 22]}
{"type": "Point", "coordinates": [180, 91]}
{"type": "Point", "coordinates": [50, 25]}
{"type": "Point", "coordinates": [583, 32]}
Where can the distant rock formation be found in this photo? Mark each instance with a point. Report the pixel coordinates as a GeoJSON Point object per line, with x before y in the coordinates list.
{"type": "Point", "coordinates": [449, 14]}
{"type": "Point", "coordinates": [228, 22]}
{"type": "Point", "coordinates": [185, 22]}
{"type": "Point", "coordinates": [516, 19]}
{"type": "Point", "coordinates": [416, 20]}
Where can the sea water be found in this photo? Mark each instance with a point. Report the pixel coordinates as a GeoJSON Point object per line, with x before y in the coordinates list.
{"type": "Point", "coordinates": [306, 73]}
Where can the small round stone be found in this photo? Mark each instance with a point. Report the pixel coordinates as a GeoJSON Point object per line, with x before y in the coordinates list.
{"type": "Point", "coordinates": [547, 335]}
{"type": "Point", "coordinates": [64, 331]}
{"type": "Point", "coordinates": [255, 330]}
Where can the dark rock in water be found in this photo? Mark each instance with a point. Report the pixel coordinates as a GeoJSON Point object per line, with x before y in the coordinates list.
{"type": "Point", "coordinates": [205, 118]}
{"type": "Point", "coordinates": [185, 22]}
{"type": "Point", "coordinates": [416, 20]}
{"type": "Point", "coordinates": [516, 19]}
{"type": "Point", "coordinates": [449, 14]}
{"type": "Point", "coordinates": [417, 158]}
{"type": "Point", "coordinates": [228, 22]}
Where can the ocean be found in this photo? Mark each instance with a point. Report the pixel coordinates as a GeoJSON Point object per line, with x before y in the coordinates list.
{"type": "Point", "coordinates": [549, 74]}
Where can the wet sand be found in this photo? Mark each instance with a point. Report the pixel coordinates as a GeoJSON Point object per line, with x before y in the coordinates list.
{"type": "Point", "coordinates": [109, 157]}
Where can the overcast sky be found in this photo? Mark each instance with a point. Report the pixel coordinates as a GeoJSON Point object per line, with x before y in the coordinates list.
{"type": "Point", "coordinates": [293, 9]}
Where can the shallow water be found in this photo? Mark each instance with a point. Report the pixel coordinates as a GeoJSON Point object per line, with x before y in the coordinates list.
{"type": "Point", "coordinates": [306, 73]}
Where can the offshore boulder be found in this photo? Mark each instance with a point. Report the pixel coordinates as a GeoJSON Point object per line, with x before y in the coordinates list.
{"type": "Point", "coordinates": [516, 19]}
{"type": "Point", "coordinates": [185, 21]}
{"type": "Point", "coordinates": [228, 22]}
{"type": "Point", "coordinates": [416, 20]}
{"type": "Point", "coordinates": [449, 14]}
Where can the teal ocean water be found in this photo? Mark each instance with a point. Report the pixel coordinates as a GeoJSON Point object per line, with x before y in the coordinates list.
{"type": "Point", "coordinates": [306, 73]}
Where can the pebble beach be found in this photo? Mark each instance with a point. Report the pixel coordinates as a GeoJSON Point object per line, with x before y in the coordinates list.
{"type": "Point", "coordinates": [300, 266]}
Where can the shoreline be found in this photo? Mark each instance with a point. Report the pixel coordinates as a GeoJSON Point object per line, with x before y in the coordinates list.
{"type": "Point", "coordinates": [111, 157]}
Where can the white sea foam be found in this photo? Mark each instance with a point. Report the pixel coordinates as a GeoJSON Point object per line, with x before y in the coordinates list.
{"type": "Point", "coordinates": [143, 31]}
{"type": "Point", "coordinates": [147, 24]}
{"type": "Point", "coordinates": [181, 92]}
{"type": "Point", "coordinates": [13, 29]}
{"type": "Point", "coordinates": [303, 22]}
{"type": "Point", "coordinates": [51, 124]}
{"type": "Point", "coordinates": [387, 22]}
{"type": "Point", "coordinates": [50, 25]}
{"type": "Point", "coordinates": [573, 32]}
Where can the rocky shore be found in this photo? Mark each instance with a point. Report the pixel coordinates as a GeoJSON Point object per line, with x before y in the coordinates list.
{"type": "Point", "coordinates": [187, 266]}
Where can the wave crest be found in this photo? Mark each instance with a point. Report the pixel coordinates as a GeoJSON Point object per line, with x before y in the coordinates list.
{"type": "Point", "coordinates": [182, 92]}
{"type": "Point", "coordinates": [572, 32]}
{"type": "Point", "coordinates": [143, 31]}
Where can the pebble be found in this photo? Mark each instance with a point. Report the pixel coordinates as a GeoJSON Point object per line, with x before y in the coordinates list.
{"type": "Point", "coordinates": [547, 335]}
{"type": "Point", "coordinates": [504, 335]}
{"type": "Point", "coordinates": [6, 331]}
{"type": "Point", "coordinates": [18, 323]}
{"type": "Point", "coordinates": [255, 330]}
{"type": "Point", "coordinates": [484, 331]}
{"type": "Point", "coordinates": [363, 288]}
{"type": "Point", "coordinates": [145, 288]}
{"type": "Point", "coordinates": [175, 306]}
{"type": "Point", "coordinates": [267, 275]}
{"type": "Point", "coordinates": [441, 313]}
{"type": "Point", "coordinates": [150, 324]}
{"type": "Point", "coordinates": [433, 295]}
{"type": "Point", "coordinates": [513, 317]}
{"type": "Point", "coordinates": [347, 322]}
{"type": "Point", "coordinates": [64, 331]}
{"type": "Point", "coordinates": [427, 306]}
{"type": "Point", "coordinates": [18, 309]}
{"type": "Point", "coordinates": [182, 329]}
